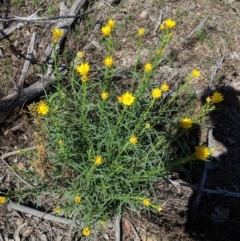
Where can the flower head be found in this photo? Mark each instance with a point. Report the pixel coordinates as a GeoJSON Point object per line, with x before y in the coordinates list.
{"type": "Point", "coordinates": [98, 160]}
{"type": "Point", "coordinates": [80, 54]}
{"type": "Point", "coordinates": [133, 140]}
{"type": "Point", "coordinates": [106, 30]}
{"type": "Point", "coordinates": [103, 223]}
{"type": "Point", "coordinates": [57, 209]}
{"type": "Point", "coordinates": [160, 52]}
{"type": "Point", "coordinates": [84, 78]}
{"type": "Point", "coordinates": [159, 208]}
{"type": "Point", "coordinates": [148, 67]}
{"type": "Point", "coordinates": [77, 199]}
{"type": "Point", "coordinates": [108, 62]}
{"type": "Point", "coordinates": [186, 123]}
{"type": "Point", "coordinates": [162, 26]}
{"type": "Point", "coordinates": [60, 143]}
{"type": "Point", "coordinates": [141, 31]}
{"type": "Point", "coordinates": [147, 125]}
{"type": "Point", "coordinates": [203, 152]}
{"type": "Point", "coordinates": [170, 23]}
{"type": "Point", "coordinates": [104, 95]}
{"type": "Point", "coordinates": [208, 99]}
{"type": "Point", "coordinates": [42, 108]}
{"type": "Point", "coordinates": [83, 69]}
{"type": "Point", "coordinates": [195, 73]}
{"type": "Point", "coordinates": [156, 93]}
{"type": "Point", "coordinates": [57, 34]}
{"type": "Point", "coordinates": [146, 202]}
{"type": "Point", "coordinates": [2, 200]}
{"type": "Point", "coordinates": [126, 99]}
{"type": "Point", "coordinates": [86, 231]}
{"type": "Point", "coordinates": [217, 97]}
{"type": "Point", "coordinates": [164, 87]}
{"type": "Point", "coordinates": [111, 23]}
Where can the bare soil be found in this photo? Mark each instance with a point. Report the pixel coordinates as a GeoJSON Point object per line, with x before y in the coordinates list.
{"type": "Point", "coordinates": [217, 216]}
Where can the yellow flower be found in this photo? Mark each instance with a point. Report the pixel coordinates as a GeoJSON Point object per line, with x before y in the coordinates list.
{"type": "Point", "coordinates": [156, 93]}
{"type": "Point", "coordinates": [162, 26]}
{"type": "Point", "coordinates": [141, 31]}
{"type": "Point", "coordinates": [164, 87]}
{"type": "Point", "coordinates": [126, 99]}
{"type": "Point", "coordinates": [146, 202]}
{"type": "Point", "coordinates": [186, 123]}
{"type": "Point", "coordinates": [148, 67]}
{"type": "Point", "coordinates": [60, 142]}
{"type": "Point", "coordinates": [195, 73]}
{"type": "Point", "coordinates": [57, 34]}
{"type": "Point", "coordinates": [42, 108]}
{"type": "Point", "coordinates": [80, 54]}
{"type": "Point", "coordinates": [169, 23]}
{"type": "Point", "coordinates": [104, 95]}
{"type": "Point", "coordinates": [106, 30]}
{"type": "Point", "coordinates": [208, 99]}
{"type": "Point", "coordinates": [83, 69]}
{"type": "Point", "coordinates": [119, 99]}
{"type": "Point", "coordinates": [203, 152]}
{"type": "Point", "coordinates": [57, 209]}
{"type": "Point", "coordinates": [111, 23]}
{"type": "Point", "coordinates": [108, 62]}
{"type": "Point", "coordinates": [2, 200]}
{"type": "Point", "coordinates": [133, 140]}
{"type": "Point", "coordinates": [160, 52]}
{"type": "Point", "coordinates": [159, 208]}
{"type": "Point", "coordinates": [77, 199]}
{"type": "Point", "coordinates": [86, 231]}
{"type": "Point", "coordinates": [84, 78]}
{"type": "Point", "coordinates": [147, 126]}
{"type": "Point", "coordinates": [103, 223]}
{"type": "Point", "coordinates": [98, 160]}
{"type": "Point", "coordinates": [217, 97]}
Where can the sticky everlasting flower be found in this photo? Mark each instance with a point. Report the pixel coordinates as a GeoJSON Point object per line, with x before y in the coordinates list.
{"type": "Point", "coordinates": [146, 202]}
{"type": "Point", "coordinates": [203, 152]}
{"type": "Point", "coordinates": [80, 54]}
{"type": "Point", "coordinates": [42, 108]}
{"type": "Point", "coordinates": [156, 93]}
{"type": "Point", "coordinates": [104, 95]}
{"type": "Point", "coordinates": [106, 30]}
{"type": "Point", "coordinates": [77, 199]}
{"type": "Point", "coordinates": [195, 73]}
{"type": "Point", "coordinates": [133, 140]}
{"type": "Point", "coordinates": [86, 231]}
{"type": "Point", "coordinates": [2, 200]}
{"type": "Point", "coordinates": [186, 123]}
{"type": "Point", "coordinates": [57, 34]}
{"type": "Point", "coordinates": [164, 87]}
{"type": "Point", "coordinates": [108, 62]}
{"type": "Point", "coordinates": [111, 23]}
{"type": "Point", "coordinates": [103, 223]}
{"type": "Point", "coordinates": [141, 31]}
{"type": "Point", "coordinates": [83, 69]}
{"type": "Point", "coordinates": [159, 208]}
{"type": "Point", "coordinates": [170, 23]}
{"type": "Point", "coordinates": [126, 99]}
{"type": "Point", "coordinates": [217, 97]}
{"type": "Point", "coordinates": [208, 99]}
{"type": "Point", "coordinates": [148, 67]}
{"type": "Point", "coordinates": [98, 160]}
{"type": "Point", "coordinates": [57, 209]}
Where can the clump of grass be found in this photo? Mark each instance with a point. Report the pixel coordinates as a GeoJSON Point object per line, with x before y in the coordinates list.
{"type": "Point", "coordinates": [101, 147]}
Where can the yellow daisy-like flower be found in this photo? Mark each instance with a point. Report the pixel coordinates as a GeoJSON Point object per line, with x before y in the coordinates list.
{"type": "Point", "coordinates": [156, 93]}
{"type": "Point", "coordinates": [203, 152]}
{"type": "Point", "coordinates": [98, 160]}
{"type": "Point", "coordinates": [159, 208]}
{"type": "Point", "coordinates": [2, 200]}
{"type": "Point", "coordinates": [108, 62]}
{"type": "Point", "coordinates": [119, 98]}
{"type": "Point", "coordinates": [84, 78]}
{"type": "Point", "coordinates": [57, 209]}
{"type": "Point", "coordinates": [148, 126]}
{"type": "Point", "coordinates": [60, 143]}
{"type": "Point", "coordinates": [126, 99]}
{"type": "Point", "coordinates": [208, 99]}
{"type": "Point", "coordinates": [146, 202]}
{"type": "Point", "coordinates": [111, 23]}
{"type": "Point", "coordinates": [133, 140]}
{"type": "Point", "coordinates": [170, 23]}
{"type": "Point", "coordinates": [106, 30]}
{"type": "Point", "coordinates": [103, 223]}
{"type": "Point", "coordinates": [141, 31]}
{"type": "Point", "coordinates": [83, 69]}
{"type": "Point", "coordinates": [86, 231]}
{"type": "Point", "coordinates": [162, 26]}
{"type": "Point", "coordinates": [104, 95]}
{"type": "Point", "coordinates": [148, 67]}
{"type": "Point", "coordinates": [217, 97]}
{"type": "Point", "coordinates": [195, 73]}
{"type": "Point", "coordinates": [77, 199]}
{"type": "Point", "coordinates": [57, 34]}
{"type": "Point", "coordinates": [80, 54]}
{"type": "Point", "coordinates": [186, 123]}
{"type": "Point", "coordinates": [42, 108]}
{"type": "Point", "coordinates": [164, 87]}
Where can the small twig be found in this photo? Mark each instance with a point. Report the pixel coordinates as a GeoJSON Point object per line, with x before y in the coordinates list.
{"type": "Point", "coordinates": [106, 3]}
{"type": "Point", "coordinates": [4, 33]}
{"type": "Point", "coordinates": [134, 230]}
{"type": "Point", "coordinates": [42, 19]}
{"type": "Point", "coordinates": [200, 25]}
{"type": "Point", "coordinates": [1, 237]}
{"type": "Point", "coordinates": [17, 152]}
{"type": "Point", "coordinates": [117, 227]}
{"type": "Point", "coordinates": [39, 214]}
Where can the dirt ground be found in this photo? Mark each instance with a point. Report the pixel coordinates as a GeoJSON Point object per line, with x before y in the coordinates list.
{"type": "Point", "coordinates": [217, 216]}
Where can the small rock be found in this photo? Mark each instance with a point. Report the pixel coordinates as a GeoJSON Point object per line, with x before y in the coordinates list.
{"type": "Point", "coordinates": [143, 14]}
